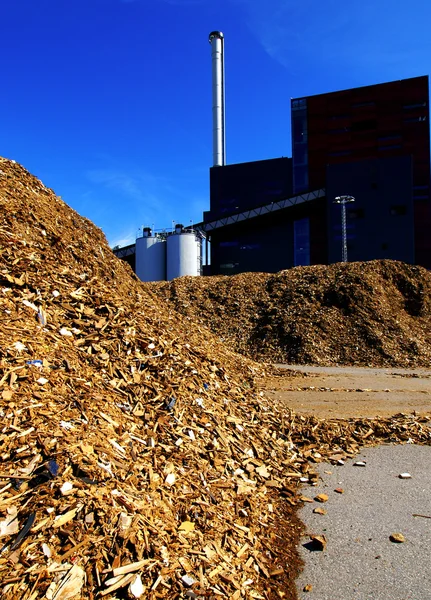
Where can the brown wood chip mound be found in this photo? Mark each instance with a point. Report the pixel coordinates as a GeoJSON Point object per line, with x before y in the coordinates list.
{"type": "Point", "coordinates": [137, 457]}
{"type": "Point", "coordinates": [376, 313]}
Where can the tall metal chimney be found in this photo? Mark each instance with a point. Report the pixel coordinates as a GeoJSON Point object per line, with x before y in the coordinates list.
{"type": "Point", "coordinates": [216, 39]}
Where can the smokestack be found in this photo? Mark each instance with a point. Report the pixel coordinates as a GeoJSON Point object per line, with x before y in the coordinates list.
{"type": "Point", "coordinates": [216, 40]}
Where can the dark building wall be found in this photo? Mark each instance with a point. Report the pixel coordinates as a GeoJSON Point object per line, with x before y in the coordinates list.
{"type": "Point", "coordinates": [239, 187]}
{"type": "Point", "coordinates": [271, 242]}
{"type": "Point", "coordinates": [379, 121]}
{"type": "Point", "coordinates": [318, 233]}
{"type": "Point", "coordinates": [380, 223]}
{"type": "Point", "coordinates": [390, 119]}
{"type": "Point", "coordinates": [244, 248]}
{"type": "Point", "coordinates": [372, 142]}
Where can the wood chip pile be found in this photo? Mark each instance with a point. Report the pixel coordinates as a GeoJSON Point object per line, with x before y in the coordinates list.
{"type": "Point", "coordinates": [137, 458]}
{"type": "Point", "coordinates": [376, 313]}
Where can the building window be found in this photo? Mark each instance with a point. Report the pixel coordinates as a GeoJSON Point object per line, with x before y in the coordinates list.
{"type": "Point", "coordinates": [415, 119]}
{"type": "Point", "coordinates": [393, 147]}
{"type": "Point", "coordinates": [299, 126]}
{"type": "Point", "coordinates": [299, 104]}
{"type": "Point", "coordinates": [300, 177]}
{"type": "Point", "coordinates": [413, 106]}
{"type": "Point", "coordinates": [300, 145]}
{"type": "Point", "coordinates": [301, 242]}
{"type": "Point", "coordinates": [421, 192]}
{"type": "Point", "coordinates": [386, 138]}
{"type": "Point", "coordinates": [301, 154]}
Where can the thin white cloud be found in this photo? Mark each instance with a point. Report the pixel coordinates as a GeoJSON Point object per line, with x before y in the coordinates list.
{"type": "Point", "coordinates": [140, 198]}
{"type": "Point", "coordinates": [285, 28]}
{"type": "Point", "coordinates": [126, 238]}
{"type": "Point", "coordinates": [140, 188]}
{"type": "Point", "coordinates": [336, 35]}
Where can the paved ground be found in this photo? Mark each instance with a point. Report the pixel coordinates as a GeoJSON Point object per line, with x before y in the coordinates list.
{"type": "Point", "coordinates": [361, 371]}
{"type": "Point", "coordinates": [345, 392]}
{"type": "Point", "coordinates": [360, 562]}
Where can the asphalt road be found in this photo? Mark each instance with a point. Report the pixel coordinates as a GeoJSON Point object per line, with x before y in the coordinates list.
{"type": "Point", "coordinates": [360, 562]}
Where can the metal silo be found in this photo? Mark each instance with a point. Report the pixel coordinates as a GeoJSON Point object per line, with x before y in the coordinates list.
{"type": "Point", "coordinates": [150, 257]}
{"type": "Point", "coordinates": [184, 253]}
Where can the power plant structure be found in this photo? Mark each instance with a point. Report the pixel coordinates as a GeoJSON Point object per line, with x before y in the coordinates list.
{"type": "Point", "coordinates": [167, 255]}
{"type": "Point", "coordinates": [371, 143]}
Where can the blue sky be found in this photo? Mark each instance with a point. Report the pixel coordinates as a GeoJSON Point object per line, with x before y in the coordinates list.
{"type": "Point", "coordinates": [109, 101]}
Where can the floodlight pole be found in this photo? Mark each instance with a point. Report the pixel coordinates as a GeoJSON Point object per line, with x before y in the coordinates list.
{"type": "Point", "coordinates": [343, 200]}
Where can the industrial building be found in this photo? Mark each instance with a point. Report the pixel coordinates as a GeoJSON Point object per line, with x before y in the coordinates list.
{"type": "Point", "coordinates": [353, 142]}
{"type": "Point", "coordinates": [372, 143]}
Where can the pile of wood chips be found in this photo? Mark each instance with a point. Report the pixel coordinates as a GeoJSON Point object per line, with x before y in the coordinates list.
{"type": "Point", "coordinates": [137, 458]}
{"type": "Point", "coordinates": [376, 313]}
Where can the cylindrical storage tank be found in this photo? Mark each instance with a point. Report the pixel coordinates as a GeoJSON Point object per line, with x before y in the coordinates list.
{"type": "Point", "coordinates": [150, 256]}
{"type": "Point", "coordinates": [184, 254]}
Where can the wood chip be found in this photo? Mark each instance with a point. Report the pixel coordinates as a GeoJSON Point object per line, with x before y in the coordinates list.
{"type": "Point", "coordinates": [130, 568]}
{"type": "Point", "coordinates": [61, 520]}
{"type": "Point", "coordinates": [319, 541]}
{"type": "Point", "coordinates": [186, 526]}
{"type": "Point", "coordinates": [319, 511]}
{"type": "Point", "coordinates": [123, 377]}
{"type": "Point", "coordinates": [321, 498]}
{"type": "Point", "coordinates": [70, 585]}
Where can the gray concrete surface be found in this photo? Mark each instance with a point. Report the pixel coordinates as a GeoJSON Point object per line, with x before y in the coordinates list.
{"type": "Point", "coordinates": [360, 562]}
